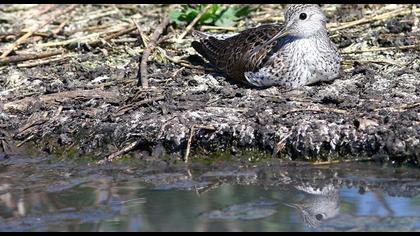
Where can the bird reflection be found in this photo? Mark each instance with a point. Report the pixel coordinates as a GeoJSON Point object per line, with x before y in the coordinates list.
{"type": "Point", "coordinates": [318, 204]}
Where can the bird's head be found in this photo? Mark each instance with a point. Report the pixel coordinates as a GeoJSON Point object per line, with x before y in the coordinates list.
{"type": "Point", "coordinates": [304, 20]}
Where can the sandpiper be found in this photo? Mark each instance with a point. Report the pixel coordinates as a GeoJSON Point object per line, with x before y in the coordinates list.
{"type": "Point", "coordinates": [291, 55]}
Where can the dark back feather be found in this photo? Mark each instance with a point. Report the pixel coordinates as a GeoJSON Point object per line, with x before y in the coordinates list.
{"type": "Point", "coordinates": [235, 55]}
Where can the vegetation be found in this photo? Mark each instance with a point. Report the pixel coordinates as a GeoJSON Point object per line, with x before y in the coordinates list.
{"type": "Point", "coordinates": [217, 14]}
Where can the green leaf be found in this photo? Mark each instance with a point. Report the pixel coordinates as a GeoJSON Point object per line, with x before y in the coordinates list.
{"type": "Point", "coordinates": [217, 14]}
{"type": "Point", "coordinates": [227, 18]}
{"type": "Point", "coordinates": [174, 17]}
{"type": "Point", "coordinates": [244, 11]}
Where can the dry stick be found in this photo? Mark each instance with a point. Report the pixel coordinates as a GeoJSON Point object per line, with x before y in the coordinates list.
{"type": "Point", "coordinates": [410, 106]}
{"type": "Point", "coordinates": [193, 127]}
{"type": "Point", "coordinates": [191, 25]}
{"type": "Point", "coordinates": [187, 151]}
{"type": "Point", "coordinates": [210, 27]}
{"type": "Point", "coordinates": [42, 62]}
{"type": "Point", "coordinates": [17, 34]}
{"type": "Point", "coordinates": [117, 32]}
{"type": "Point", "coordinates": [25, 141]}
{"type": "Point", "coordinates": [114, 35]}
{"type": "Point", "coordinates": [124, 109]}
{"type": "Point", "coordinates": [143, 37]}
{"type": "Point", "coordinates": [183, 63]}
{"type": "Point", "coordinates": [280, 145]}
{"type": "Point", "coordinates": [120, 33]}
{"type": "Point", "coordinates": [25, 37]}
{"type": "Point", "coordinates": [126, 40]}
{"type": "Point", "coordinates": [320, 110]}
{"type": "Point", "coordinates": [340, 161]}
{"type": "Point", "coordinates": [142, 72]}
{"type": "Point", "coordinates": [19, 58]}
{"type": "Point", "coordinates": [33, 122]}
{"type": "Point", "coordinates": [385, 49]}
{"type": "Point", "coordinates": [95, 16]}
{"type": "Point", "coordinates": [91, 28]}
{"type": "Point", "coordinates": [46, 9]}
{"type": "Point", "coordinates": [61, 26]}
{"type": "Point", "coordinates": [351, 62]}
{"type": "Point", "coordinates": [371, 18]}
{"type": "Point", "coordinates": [400, 108]}
{"type": "Point", "coordinates": [121, 152]}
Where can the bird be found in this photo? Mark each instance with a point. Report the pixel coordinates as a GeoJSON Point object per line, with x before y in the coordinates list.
{"type": "Point", "coordinates": [318, 205]}
{"type": "Point", "coordinates": [291, 55]}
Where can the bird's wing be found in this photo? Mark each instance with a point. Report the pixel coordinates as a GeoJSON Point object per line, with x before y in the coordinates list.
{"type": "Point", "coordinates": [236, 55]}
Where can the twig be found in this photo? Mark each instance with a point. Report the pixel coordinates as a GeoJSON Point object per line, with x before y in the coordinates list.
{"type": "Point", "coordinates": [410, 106]}
{"type": "Point", "coordinates": [400, 108]}
{"type": "Point", "coordinates": [187, 151]}
{"type": "Point", "coordinates": [46, 9]}
{"type": "Point", "coordinates": [33, 123]}
{"type": "Point", "coordinates": [183, 63]}
{"type": "Point", "coordinates": [192, 130]}
{"type": "Point", "coordinates": [117, 32]}
{"type": "Point", "coordinates": [124, 109]}
{"type": "Point", "coordinates": [125, 40]}
{"type": "Point", "coordinates": [351, 62]}
{"type": "Point", "coordinates": [42, 62]}
{"type": "Point", "coordinates": [61, 26]}
{"type": "Point", "coordinates": [211, 27]}
{"type": "Point", "coordinates": [385, 49]}
{"type": "Point", "coordinates": [326, 110]}
{"type": "Point", "coordinates": [19, 58]}
{"type": "Point", "coordinates": [340, 161]}
{"type": "Point", "coordinates": [191, 25]}
{"type": "Point", "coordinates": [25, 141]}
{"type": "Point", "coordinates": [142, 73]}
{"type": "Point", "coordinates": [25, 37]}
{"type": "Point", "coordinates": [93, 28]}
{"type": "Point", "coordinates": [20, 33]}
{"type": "Point", "coordinates": [234, 109]}
{"type": "Point", "coordinates": [121, 152]}
{"type": "Point", "coordinates": [143, 37]}
{"type": "Point", "coordinates": [280, 145]}
{"type": "Point", "coordinates": [60, 98]}
{"type": "Point", "coordinates": [114, 35]}
{"type": "Point", "coordinates": [370, 18]}
{"type": "Point", "coordinates": [96, 15]}
{"type": "Point", "coordinates": [22, 7]}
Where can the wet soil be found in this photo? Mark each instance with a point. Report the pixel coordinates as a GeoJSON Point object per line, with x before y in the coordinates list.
{"type": "Point", "coordinates": [89, 105]}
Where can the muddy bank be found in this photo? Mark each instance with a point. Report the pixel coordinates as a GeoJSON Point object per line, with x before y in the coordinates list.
{"type": "Point", "coordinates": [88, 104]}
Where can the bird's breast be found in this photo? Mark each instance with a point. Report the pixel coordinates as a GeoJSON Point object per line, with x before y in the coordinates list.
{"type": "Point", "coordinates": [309, 60]}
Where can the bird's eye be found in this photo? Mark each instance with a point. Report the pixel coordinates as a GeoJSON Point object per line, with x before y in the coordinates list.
{"type": "Point", "coordinates": [302, 16]}
{"type": "Point", "coordinates": [319, 217]}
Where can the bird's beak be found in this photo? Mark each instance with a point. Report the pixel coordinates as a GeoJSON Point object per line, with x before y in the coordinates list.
{"type": "Point", "coordinates": [293, 205]}
{"type": "Point", "coordinates": [280, 34]}
{"type": "Point", "coordinates": [277, 36]}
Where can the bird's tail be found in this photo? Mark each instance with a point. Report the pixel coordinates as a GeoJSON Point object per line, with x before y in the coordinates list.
{"type": "Point", "coordinates": [207, 45]}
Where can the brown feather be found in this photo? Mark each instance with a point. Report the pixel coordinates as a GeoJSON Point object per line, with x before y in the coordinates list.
{"type": "Point", "coordinates": [235, 55]}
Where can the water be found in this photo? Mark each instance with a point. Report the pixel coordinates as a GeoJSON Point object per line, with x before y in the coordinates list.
{"type": "Point", "coordinates": [39, 195]}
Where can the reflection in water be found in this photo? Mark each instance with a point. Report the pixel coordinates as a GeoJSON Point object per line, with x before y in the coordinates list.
{"type": "Point", "coordinates": [318, 204]}
{"type": "Point", "coordinates": [36, 195]}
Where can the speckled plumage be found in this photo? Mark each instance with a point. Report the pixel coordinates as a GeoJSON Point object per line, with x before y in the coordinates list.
{"type": "Point", "coordinates": [318, 204]}
{"type": "Point", "coordinates": [291, 55]}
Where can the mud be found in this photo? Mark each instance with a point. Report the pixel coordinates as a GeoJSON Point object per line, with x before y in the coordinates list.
{"type": "Point", "coordinates": [89, 105]}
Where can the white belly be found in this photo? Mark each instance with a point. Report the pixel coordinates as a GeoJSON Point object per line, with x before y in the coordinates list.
{"type": "Point", "coordinates": [311, 63]}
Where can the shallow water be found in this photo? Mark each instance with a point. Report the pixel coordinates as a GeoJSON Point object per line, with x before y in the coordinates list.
{"type": "Point", "coordinates": [39, 195]}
